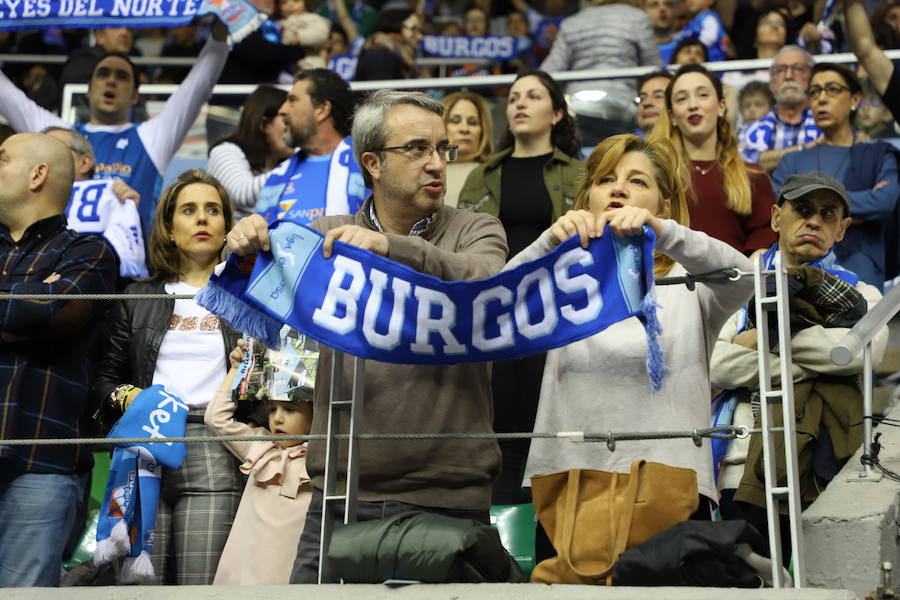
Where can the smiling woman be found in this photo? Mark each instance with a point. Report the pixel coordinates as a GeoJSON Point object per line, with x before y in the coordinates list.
{"type": "Point", "coordinates": [184, 347]}
{"type": "Point", "coordinates": [868, 171]}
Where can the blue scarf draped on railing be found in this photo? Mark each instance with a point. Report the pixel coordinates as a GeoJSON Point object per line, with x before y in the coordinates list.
{"type": "Point", "coordinates": [241, 17]}
{"type": "Point", "coordinates": [372, 307]}
{"type": "Point", "coordinates": [127, 521]}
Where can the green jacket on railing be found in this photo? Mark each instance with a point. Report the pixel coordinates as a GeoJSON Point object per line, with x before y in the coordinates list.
{"type": "Point", "coordinates": [562, 175]}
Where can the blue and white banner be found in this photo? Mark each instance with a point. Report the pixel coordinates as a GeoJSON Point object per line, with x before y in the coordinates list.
{"type": "Point", "coordinates": [488, 47]}
{"type": "Point", "coordinates": [240, 16]}
{"type": "Point", "coordinates": [368, 306]}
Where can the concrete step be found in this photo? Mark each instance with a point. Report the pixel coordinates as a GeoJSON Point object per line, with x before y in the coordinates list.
{"type": "Point", "coordinates": [484, 591]}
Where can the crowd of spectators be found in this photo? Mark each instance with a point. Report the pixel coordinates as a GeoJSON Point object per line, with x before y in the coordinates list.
{"type": "Point", "coordinates": [451, 184]}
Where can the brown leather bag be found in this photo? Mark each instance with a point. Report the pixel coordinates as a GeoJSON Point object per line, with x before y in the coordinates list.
{"type": "Point", "coordinates": [591, 517]}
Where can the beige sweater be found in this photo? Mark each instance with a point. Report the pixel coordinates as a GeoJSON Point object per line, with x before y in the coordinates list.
{"type": "Point", "coordinates": [458, 245]}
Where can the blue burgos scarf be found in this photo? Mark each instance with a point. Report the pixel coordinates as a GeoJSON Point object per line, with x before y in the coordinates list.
{"type": "Point", "coordinates": [372, 307]}
{"type": "Point", "coordinates": [127, 522]}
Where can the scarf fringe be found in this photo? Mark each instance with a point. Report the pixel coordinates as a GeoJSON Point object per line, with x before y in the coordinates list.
{"type": "Point", "coordinates": [133, 269]}
{"type": "Point", "coordinates": [137, 568]}
{"type": "Point", "coordinates": [116, 545]}
{"type": "Point", "coordinates": [241, 315]}
{"type": "Point", "coordinates": [656, 366]}
{"type": "Point", "coordinates": [246, 29]}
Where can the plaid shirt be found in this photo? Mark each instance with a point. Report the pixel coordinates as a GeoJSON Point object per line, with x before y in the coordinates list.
{"type": "Point", "coordinates": [44, 379]}
{"type": "Point", "coordinates": [771, 133]}
{"type": "Point", "coordinates": [418, 227]}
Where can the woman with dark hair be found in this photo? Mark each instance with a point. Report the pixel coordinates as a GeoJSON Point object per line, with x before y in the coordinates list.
{"type": "Point", "coordinates": [390, 52]}
{"type": "Point", "coordinates": [773, 29]}
{"type": "Point", "coordinates": [528, 184]}
{"type": "Point", "coordinates": [729, 200]}
{"type": "Point", "coordinates": [242, 161]}
{"type": "Point", "coordinates": [868, 171]}
{"type": "Point", "coordinates": [184, 347]}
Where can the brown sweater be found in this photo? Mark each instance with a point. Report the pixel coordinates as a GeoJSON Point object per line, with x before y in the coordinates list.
{"type": "Point", "coordinates": [458, 245]}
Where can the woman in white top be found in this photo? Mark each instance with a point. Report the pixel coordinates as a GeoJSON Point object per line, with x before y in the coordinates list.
{"type": "Point", "coordinates": [184, 347]}
{"type": "Point", "coordinates": [468, 121]}
{"type": "Point", "coordinates": [600, 383]}
{"type": "Point", "coordinates": [242, 161]}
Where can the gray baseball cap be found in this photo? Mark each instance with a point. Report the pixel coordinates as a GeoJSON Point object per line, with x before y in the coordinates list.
{"type": "Point", "coordinates": [800, 184]}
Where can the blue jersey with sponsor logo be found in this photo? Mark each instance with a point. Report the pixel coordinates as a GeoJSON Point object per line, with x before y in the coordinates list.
{"type": "Point", "coordinates": [304, 191]}
{"type": "Point", "coordinates": [122, 154]}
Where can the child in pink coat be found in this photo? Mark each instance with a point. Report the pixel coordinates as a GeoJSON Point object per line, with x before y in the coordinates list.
{"type": "Point", "coordinates": [263, 540]}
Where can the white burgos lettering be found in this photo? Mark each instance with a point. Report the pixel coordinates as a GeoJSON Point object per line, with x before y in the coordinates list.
{"type": "Point", "coordinates": [326, 315]}
{"type": "Point", "coordinates": [436, 312]}
{"type": "Point", "coordinates": [162, 415]}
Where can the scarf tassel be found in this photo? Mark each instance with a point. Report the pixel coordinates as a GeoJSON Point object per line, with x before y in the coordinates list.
{"type": "Point", "coordinates": [240, 315]}
{"type": "Point", "coordinates": [116, 545]}
{"type": "Point", "coordinates": [137, 568]}
{"type": "Point", "coordinates": [656, 366]}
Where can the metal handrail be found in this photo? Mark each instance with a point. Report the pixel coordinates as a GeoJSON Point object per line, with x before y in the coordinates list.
{"type": "Point", "coordinates": [866, 328]}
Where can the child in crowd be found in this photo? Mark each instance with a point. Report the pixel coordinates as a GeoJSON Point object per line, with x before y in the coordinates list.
{"type": "Point", "coordinates": [873, 120]}
{"type": "Point", "coordinates": [263, 540]}
{"type": "Point", "coordinates": [306, 29]}
{"type": "Point", "coordinates": [706, 25]}
{"type": "Point", "coordinates": [755, 100]}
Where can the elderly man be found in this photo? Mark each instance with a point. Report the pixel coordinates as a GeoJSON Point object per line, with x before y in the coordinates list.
{"type": "Point", "coordinates": [789, 126]}
{"type": "Point", "coordinates": [136, 153]}
{"type": "Point", "coordinates": [401, 143]}
{"type": "Point", "coordinates": [45, 355]}
{"type": "Point", "coordinates": [651, 99]}
{"type": "Point", "coordinates": [812, 214]}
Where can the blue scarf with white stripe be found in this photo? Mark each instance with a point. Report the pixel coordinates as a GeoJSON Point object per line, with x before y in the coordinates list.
{"type": "Point", "coordinates": [372, 307]}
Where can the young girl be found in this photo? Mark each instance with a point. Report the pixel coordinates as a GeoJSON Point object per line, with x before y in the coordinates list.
{"type": "Point", "coordinates": [263, 539]}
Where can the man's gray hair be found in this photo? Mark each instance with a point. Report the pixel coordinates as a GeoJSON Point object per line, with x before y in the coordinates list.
{"type": "Point", "coordinates": [370, 131]}
{"type": "Point", "coordinates": [77, 142]}
{"type": "Point", "coordinates": [809, 59]}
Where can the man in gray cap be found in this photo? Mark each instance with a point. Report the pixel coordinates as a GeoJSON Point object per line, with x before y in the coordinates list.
{"type": "Point", "coordinates": [811, 215]}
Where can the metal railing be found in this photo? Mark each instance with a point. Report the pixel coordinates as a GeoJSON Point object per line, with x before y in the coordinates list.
{"type": "Point", "coordinates": [860, 338]}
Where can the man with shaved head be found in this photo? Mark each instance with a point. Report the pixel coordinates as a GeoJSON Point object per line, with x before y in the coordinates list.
{"type": "Point", "coordinates": [45, 354]}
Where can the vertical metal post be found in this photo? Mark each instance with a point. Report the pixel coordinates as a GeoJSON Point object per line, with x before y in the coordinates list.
{"type": "Point", "coordinates": [790, 492]}
{"type": "Point", "coordinates": [331, 498]}
{"type": "Point", "coordinates": [867, 406]}
{"type": "Point", "coordinates": [765, 411]}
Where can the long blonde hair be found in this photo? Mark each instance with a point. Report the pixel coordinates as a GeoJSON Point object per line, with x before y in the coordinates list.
{"type": "Point", "coordinates": [662, 155]}
{"type": "Point", "coordinates": [486, 145]}
{"type": "Point", "coordinates": [735, 173]}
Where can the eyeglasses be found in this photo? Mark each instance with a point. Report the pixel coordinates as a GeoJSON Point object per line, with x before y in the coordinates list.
{"type": "Point", "coordinates": [413, 151]}
{"type": "Point", "coordinates": [799, 69]}
{"type": "Point", "coordinates": [413, 28]}
{"type": "Point", "coordinates": [831, 90]}
{"type": "Point", "coordinates": [772, 22]}
{"type": "Point", "coordinates": [657, 95]}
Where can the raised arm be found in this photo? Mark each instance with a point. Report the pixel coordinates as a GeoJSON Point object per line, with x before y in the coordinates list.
{"type": "Point", "coordinates": [219, 417]}
{"type": "Point", "coordinates": [22, 112]}
{"type": "Point", "coordinates": [862, 40]}
{"type": "Point", "coordinates": [163, 134]}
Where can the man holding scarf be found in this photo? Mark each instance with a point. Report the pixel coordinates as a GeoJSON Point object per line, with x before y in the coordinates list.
{"type": "Point", "coordinates": [811, 216]}
{"type": "Point", "coordinates": [136, 153]}
{"type": "Point", "coordinates": [401, 143]}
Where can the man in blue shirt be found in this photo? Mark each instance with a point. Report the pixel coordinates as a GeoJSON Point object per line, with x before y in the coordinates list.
{"type": "Point", "coordinates": [136, 153]}
{"type": "Point", "coordinates": [45, 355]}
{"type": "Point", "coordinates": [322, 177]}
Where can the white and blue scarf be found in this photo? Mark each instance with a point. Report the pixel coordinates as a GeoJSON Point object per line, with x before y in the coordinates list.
{"type": "Point", "coordinates": [240, 16]}
{"type": "Point", "coordinates": [127, 522]}
{"type": "Point", "coordinates": [94, 208]}
{"type": "Point", "coordinates": [372, 307]}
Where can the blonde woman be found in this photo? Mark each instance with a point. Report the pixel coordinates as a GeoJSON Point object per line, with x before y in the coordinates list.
{"type": "Point", "coordinates": [468, 121]}
{"type": "Point", "coordinates": [600, 383]}
{"type": "Point", "coordinates": [728, 199]}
